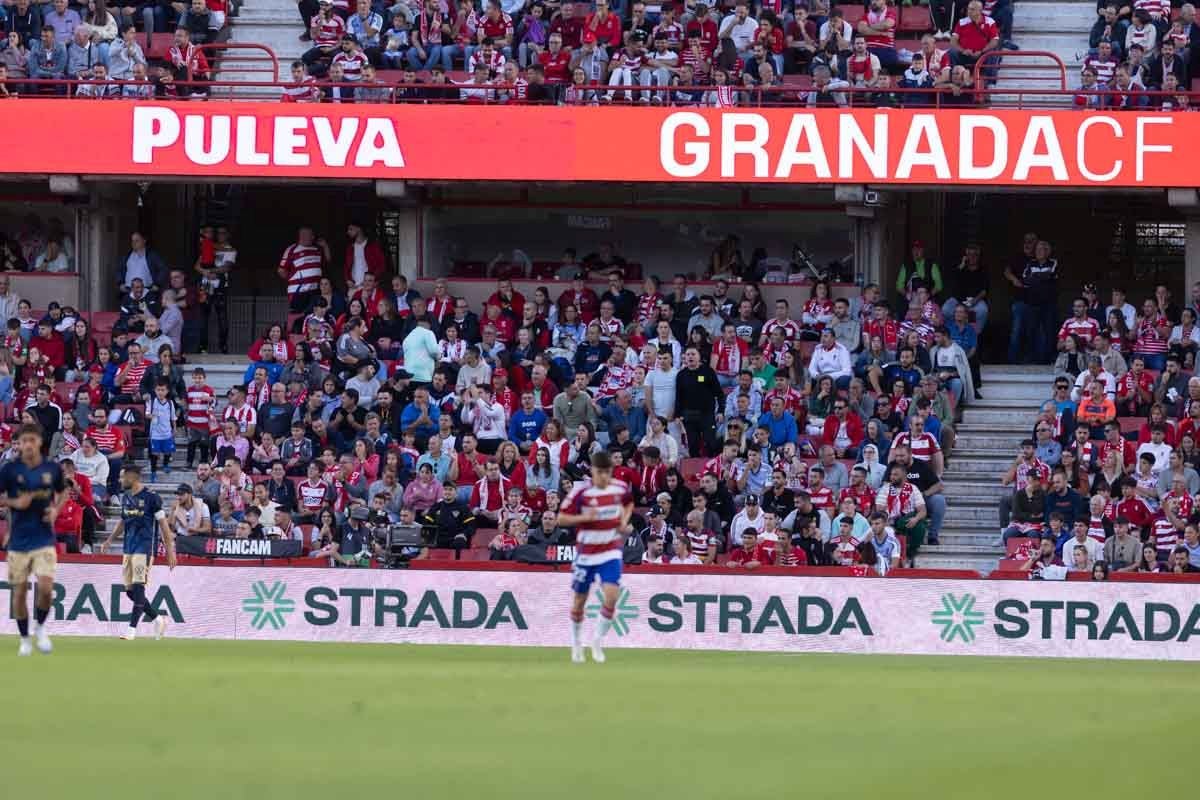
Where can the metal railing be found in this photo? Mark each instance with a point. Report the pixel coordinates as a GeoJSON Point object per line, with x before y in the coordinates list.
{"type": "Point", "coordinates": [890, 95]}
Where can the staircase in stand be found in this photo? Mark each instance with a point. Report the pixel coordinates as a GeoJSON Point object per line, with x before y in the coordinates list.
{"type": "Point", "coordinates": [1060, 28]}
{"type": "Point", "coordinates": [988, 439]}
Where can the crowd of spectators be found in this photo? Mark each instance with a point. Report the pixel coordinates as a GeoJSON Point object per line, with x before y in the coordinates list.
{"type": "Point", "coordinates": [1138, 48]}
{"type": "Point", "coordinates": [100, 47]}
{"type": "Point", "coordinates": [578, 53]}
{"type": "Point", "coordinates": [1108, 479]}
{"type": "Point", "coordinates": [573, 53]}
{"type": "Point", "coordinates": [823, 425]}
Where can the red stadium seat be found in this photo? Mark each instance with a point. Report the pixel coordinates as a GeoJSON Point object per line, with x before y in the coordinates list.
{"type": "Point", "coordinates": [914, 19]}
{"type": "Point", "coordinates": [689, 468]}
{"type": "Point", "coordinates": [853, 14]}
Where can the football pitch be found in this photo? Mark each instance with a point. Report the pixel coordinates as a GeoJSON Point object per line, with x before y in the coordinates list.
{"type": "Point", "coordinates": [191, 719]}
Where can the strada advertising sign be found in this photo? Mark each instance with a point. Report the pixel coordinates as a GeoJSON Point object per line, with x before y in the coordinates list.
{"type": "Point", "coordinates": [546, 143]}
{"type": "Point", "coordinates": [689, 611]}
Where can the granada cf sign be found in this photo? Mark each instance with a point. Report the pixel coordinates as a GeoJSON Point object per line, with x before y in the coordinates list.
{"type": "Point", "coordinates": [655, 145]}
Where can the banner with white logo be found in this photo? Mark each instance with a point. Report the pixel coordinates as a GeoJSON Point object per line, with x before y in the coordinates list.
{"type": "Point", "coordinates": [690, 611]}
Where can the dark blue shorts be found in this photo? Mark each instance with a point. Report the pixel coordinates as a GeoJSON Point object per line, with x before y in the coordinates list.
{"type": "Point", "coordinates": [582, 577]}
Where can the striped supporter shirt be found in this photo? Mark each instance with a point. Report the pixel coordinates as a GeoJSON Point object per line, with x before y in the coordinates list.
{"type": "Point", "coordinates": [303, 264]}
{"type": "Point", "coordinates": [327, 32]}
{"type": "Point", "coordinates": [106, 440]}
{"type": "Point", "coordinates": [131, 377]}
{"type": "Point", "coordinates": [200, 401]}
{"type": "Point", "coordinates": [600, 540]}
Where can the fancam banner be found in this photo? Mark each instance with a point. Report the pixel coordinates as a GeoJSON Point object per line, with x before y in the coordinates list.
{"type": "Point", "coordinates": [686, 611]}
{"type": "Point", "coordinates": [659, 145]}
{"type": "Point", "coordinates": [215, 547]}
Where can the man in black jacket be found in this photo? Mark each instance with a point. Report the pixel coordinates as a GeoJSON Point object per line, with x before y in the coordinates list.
{"type": "Point", "coordinates": [1167, 62]}
{"type": "Point", "coordinates": [698, 400]}
{"type": "Point", "coordinates": [449, 523]}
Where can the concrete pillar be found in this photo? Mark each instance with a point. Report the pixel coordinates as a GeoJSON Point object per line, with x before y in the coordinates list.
{"type": "Point", "coordinates": [1191, 255]}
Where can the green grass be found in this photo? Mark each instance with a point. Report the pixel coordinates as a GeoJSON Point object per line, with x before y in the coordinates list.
{"type": "Point", "coordinates": [188, 719]}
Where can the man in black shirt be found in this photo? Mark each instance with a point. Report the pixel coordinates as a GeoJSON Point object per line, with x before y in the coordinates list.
{"type": "Point", "coordinates": [347, 421]}
{"type": "Point", "coordinates": [624, 301]}
{"type": "Point", "coordinates": [698, 400]}
{"type": "Point", "coordinates": [921, 475]}
{"type": "Point", "coordinates": [967, 284]}
{"type": "Point", "coordinates": [449, 523]}
{"type": "Point", "coordinates": [779, 499]}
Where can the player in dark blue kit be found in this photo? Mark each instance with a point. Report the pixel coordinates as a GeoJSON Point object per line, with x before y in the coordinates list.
{"type": "Point", "coordinates": [33, 490]}
{"type": "Point", "coordinates": [142, 519]}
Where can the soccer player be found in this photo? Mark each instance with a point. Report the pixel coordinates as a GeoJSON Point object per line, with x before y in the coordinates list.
{"type": "Point", "coordinates": [142, 519]}
{"type": "Point", "coordinates": [599, 510]}
{"type": "Point", "coordinates": [33, 490]}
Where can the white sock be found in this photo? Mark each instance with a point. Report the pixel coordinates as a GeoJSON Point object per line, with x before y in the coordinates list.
{"type": "Point", "coordinates": [576, 633]}
{"type": "Point", "coordinates": [603, 624]}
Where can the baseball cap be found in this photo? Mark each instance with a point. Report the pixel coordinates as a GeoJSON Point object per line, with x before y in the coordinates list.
{"type": "Point", "coordinates": [1090, 288]}
{"type": "Point", "coordinates": [403, 374]}
{"type": "Point", "coordinates": [183, 488]}
{"type": "Point", "coordinates": [1122, 520]}
{"type": "Point", "coordinates": [589, 37]}
{"type": "Point", "coordinates": [918, 243]}
{"type": "Point", "coordinates": [360, 513]}
{"type": "Point", "coordinates": [654, 511]}
{"type": "Point", "coordinates": [751, 499]}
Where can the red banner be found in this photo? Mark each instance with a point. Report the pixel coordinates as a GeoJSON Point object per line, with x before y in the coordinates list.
{"type": "Point", "coordinates": [525, 143]}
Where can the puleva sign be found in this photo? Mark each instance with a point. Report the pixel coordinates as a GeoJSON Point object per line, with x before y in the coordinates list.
{"type": "Point", "coordinates": [696, 611]}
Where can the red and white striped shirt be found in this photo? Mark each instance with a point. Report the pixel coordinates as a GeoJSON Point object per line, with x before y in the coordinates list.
{"type": "Point", "coordinates": [244, 416]}
{"type": "Point", "coordinates": [599, 540]}
{"type": "Point", "coordinates": [896, 501]}
{"type": "Point", "coordinates": [719, 467]}
{"type": "Point", "coordinates": [200, 403]}
{"type": "Point", "coordinates": [304, 264]}
{"type": "Point", "coordinates": [1157, 9]}
{"type": "Point", "coordinates": [701, 541]}
{"type": "Point", "coordinates": [729, 356]}
{"type": "Point", "coordinates": [822, 499]}
{"type": "Point", "coordinates": [1149, 338]}
{"type": "Point", "coordinates": [305, 91]}
{"type": "Point", "coordinates": [131, 376]}
{"type": "Point", "coordinates": [327, 32]}
{"type": "Point", "coordinates": [1164, 534]}
{"type": "Point", "coordinates": [1096, 529]}
{"type": "Point", "coordinates": [608, 328]}
{"type": "Point", "coordinates": [494, 60]}
{"type": "Point", "coordinates": [791, 328]}
{"type": "Point", "coordinates": [108, 440]}
{"type": "Point", "coordinates": [1026, 467]}
{"type": "Point", "coordinates": [1085, 329]}
{"type": "Point", "coordinates": [352, 64]}
{"type": "Point", "coordinates": [882, 39]}
{"type": "Point", "coordinates": [923, 447]}
{"type": "Point", "coordinates": [793, 399]}
{"type": "Point", "coordinates": [312, 496]}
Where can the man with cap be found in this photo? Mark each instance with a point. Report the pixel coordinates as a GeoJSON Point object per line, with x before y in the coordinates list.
{"type": "Point", "coordinates": [750, 517]}
{"type": "Point", "coordinates": [449, 523]}
{"type": "Point", "coordinates": [189, 516]}
{"type": "Point", "coordinates": [1123, 551]}
{"type": "Point", "coordinates": [918, 271]}
{"type": "Point", "coordinates": [352, 543]}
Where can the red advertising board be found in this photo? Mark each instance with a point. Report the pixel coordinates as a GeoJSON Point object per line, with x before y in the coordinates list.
{"type": "Point", "coordinates": [659, 145]}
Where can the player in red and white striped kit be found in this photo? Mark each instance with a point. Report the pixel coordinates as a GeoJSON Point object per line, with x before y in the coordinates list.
{"type": "Point", "coordinates": [599, 510]}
